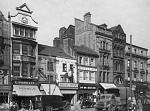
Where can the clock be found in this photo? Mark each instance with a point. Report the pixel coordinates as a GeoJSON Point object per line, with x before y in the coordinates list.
{"type": "Point", "coordinates": [24, 20]}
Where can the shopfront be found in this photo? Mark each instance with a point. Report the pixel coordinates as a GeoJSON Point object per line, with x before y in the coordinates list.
{"type": "Point", "coordinates": [26, 93]}
{"type": "Point", "coordinates": [87, 91]}
{"type": "Point", "coordinates": [69, 91]}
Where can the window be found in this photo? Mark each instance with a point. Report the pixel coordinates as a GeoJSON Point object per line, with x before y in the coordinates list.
{"type": "Point", "coordinates": [128, 76]}
{"type": "Point", "coordinates": [108, 77]}
{"type": "Point", "coordinates": [4, 97]}
{"type": "Point", "coordinates": [21, 31]}
{"type": "Point", "coordinates": [16, 69]}
{"type": "Point", "coordinates": [135, 64]}
{"type": "Point", "coordinates": [31, 33]}
{"type": "Point", "coordinates": [71, 68]}
{"type": "Point", "coordinates": [104, 76]}
{"type": "Point", "coordinates": [142, 77]}
{"type": "Point", "coordinates": [92, 62]}
{"type": "Point", "coordinates": [80, 75]}
{"type": "Point", "coordinates": [86, 61]}
{"type": "Point", "coordinates": [27, 33]}
{"type": "Point", "coordinates": [128, 63]}
{"type": "Point", "coordinates": [92, 75]}
{"type": "Point", "coordinates": [85, 76]}
{"type": "Point", "coordinates": [142, 66]}
{"type": "Point", "coordinates": [32, 70]}
{"type": "Point", "coordinates": [134, 77]}
{"type": "Point", "coordinates": [50, 66]}
{"type": "Point", "coordinates": [64, 67]}
{"type": "Point", "coordinates": [16, 30]}
{"type": "Point", "coordinates": [142, 52]}
{"type": "Point", "coordinates": [25, 49]}
{"type": "Point", "coordinates": [16, 48]}
{"type": "Point", "coordinates": [80, 60]}
{"type": "Point", "coordinates": [135, 50]}
{"type": "Point", "coordinates": [31, 51]}
{"type": "Point", "coordinates": [25, 69]}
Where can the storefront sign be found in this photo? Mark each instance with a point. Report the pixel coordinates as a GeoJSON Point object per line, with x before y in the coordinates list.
{"type": "Point", "coordinates": [87, 87]}
{"type": "Point", "coordinates": [68, 85]}
{"type": "Point", "coordinates": [5, 87]}
{"type": "Point", "coordinates": [87, 68]}
{"type": "Point", "coordinates": [24, 82]}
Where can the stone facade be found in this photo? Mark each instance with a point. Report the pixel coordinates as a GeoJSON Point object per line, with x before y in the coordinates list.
{"type": "Point", "coordinates": [139, 63]}
{"type": "Point", "coordinates": [99, 39]}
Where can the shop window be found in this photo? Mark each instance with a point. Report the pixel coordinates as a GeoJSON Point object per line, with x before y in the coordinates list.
{"type": "Point", "coordinates": [80, 75]}
{"type": "Point", "coordinates": [16, 48]}
{"type": "Point", "coordinates": [25, 69]}
{"type": "Point", "coordinates": [50, 66]}
{"type": "Point", "coordinates": [64, 67]}
{"type": "Point", "coordinates": [25, 49]}
{"type": "Point", "coordinates": [3, 98]}
{"type": "Point", "coordinates": [16, 69]}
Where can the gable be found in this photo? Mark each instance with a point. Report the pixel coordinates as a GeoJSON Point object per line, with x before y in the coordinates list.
{"type": "Point", "coordinates": [24, 8]}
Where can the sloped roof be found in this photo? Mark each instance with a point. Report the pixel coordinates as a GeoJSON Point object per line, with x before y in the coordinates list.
{"type": "Point", "coordinates": [117, 28]}
{"type": "Point", "coordinates": [52, 51]}
{"type": "Point", "coordinates": [113, 28]}
{"type": "Point", "coordinates": [24, 7]}
{"type": "Point", "coordinates": [85, 50]}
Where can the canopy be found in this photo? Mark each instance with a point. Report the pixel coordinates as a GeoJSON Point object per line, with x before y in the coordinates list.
{"type": "Point", "coordinates": [54, 89]}
{"type": "Point", "coordinates": [26, 90]}
{"type": "Point", "coordinates": [108, 86]}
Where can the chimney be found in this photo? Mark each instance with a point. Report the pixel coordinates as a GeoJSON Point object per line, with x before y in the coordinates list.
{"type": "Point", "coordinates": [62, 31]}
{"type": "Point", "coordinates": [87, 17]}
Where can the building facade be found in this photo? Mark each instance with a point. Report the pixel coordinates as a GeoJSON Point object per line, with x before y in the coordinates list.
{"type": "Point", "coordinates": [5, 88]}
{"type": "Point", "coordinates": [24, 56]}
{"type": "Point", "coordinates": [139, 67]}
{"type": "Point", "coordinates": [86, 72]}
{"type": "Point", "coordinates": [118, 47]}
{"type": "Point", "coordinates": [63, 69]}
{"type": "Point", "coordinates": [99, 39]}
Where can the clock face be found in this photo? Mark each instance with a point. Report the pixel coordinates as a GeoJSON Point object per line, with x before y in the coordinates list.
{"type": "Point", "coordinates": [118, 80]}
{"type": "Point", "coordinates": [24, 20]}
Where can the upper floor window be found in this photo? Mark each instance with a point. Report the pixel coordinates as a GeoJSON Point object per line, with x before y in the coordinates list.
{"type": "Point", "coordinates": [86, 61]}
{"type": "Point", "coordinates": [142, 52]}
{"type": "Point", "coordinates": [142, 65]}
{"type": "Point", "coordinates": [24, 49]}
{"type": "Point", "coordinates": [24, 31]}
{"type": "Point", "coordinates": [134, 50]}
{"type": "Point", "coordinates": [80, 60]}
{"type": "Point", "coordinates": [16, 69]}
{"type": "Point", "coordinates": [50, 66]}
{"type": "Point", "coordinates": [16, 48]}
{"type": "Point", "coordinates": [71, 68]}
{"type": "Point", "coordinates": [64, 67]}
{"type": "Point", "coordinates": [25, 69]}
{"type": "Point", "coordinates": [85, 76]}
{"type": "Point", "coordinates": [92, 62]}
{"type": "Point", "coordinates": [128, 63]}
{"type": "Point", "coordinates": [135, 64]}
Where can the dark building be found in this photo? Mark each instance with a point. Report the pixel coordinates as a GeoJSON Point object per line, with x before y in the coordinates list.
{"type": "Point", "coordinates": [4, 60]}
{"type": "Point", "coordinates": [118, 47]}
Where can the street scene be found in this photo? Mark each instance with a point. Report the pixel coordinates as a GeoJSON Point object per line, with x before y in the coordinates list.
{"type": "Point", "coordinates": [74, 55]}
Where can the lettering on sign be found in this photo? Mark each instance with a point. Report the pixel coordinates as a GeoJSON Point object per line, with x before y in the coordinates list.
{"type": "Point", "coordinates": [5, 87]}
{"type": "Point", "coordinates": [68, 85]}
{"type": "Point", "coordinates": [24, 82]}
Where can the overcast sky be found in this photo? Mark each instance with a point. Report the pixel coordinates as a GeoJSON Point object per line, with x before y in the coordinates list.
{"type": "Point", "coordinates": [132, 15]}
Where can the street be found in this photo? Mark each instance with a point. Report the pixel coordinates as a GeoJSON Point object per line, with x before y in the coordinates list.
{"type": "Point", "coordinates": [88, 109]}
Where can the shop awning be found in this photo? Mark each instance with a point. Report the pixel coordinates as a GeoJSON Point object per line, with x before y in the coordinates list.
{"type": "Point", "coordinates": [54, 89]}
{"type": "Point", "coordinates": [26, 90]}
{"type": "Point", "coordinates": [108, 86]}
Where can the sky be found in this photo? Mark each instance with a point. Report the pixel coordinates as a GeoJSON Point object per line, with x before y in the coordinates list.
{"type": "Point", "coordinates": [132, 15]}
